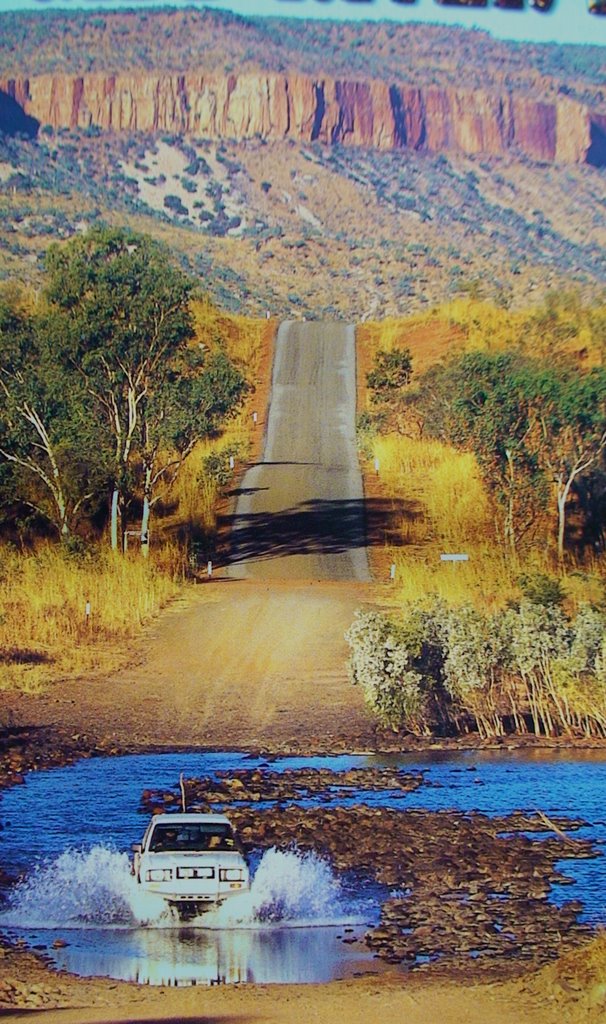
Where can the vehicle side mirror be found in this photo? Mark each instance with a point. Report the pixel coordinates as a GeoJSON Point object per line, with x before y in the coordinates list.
{"type": "Point", "coordinates": [136, 847]}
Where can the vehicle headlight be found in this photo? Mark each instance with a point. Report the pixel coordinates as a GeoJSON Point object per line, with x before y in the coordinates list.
{"type": "Point", "coordinates": [231, 875]}
{"type": "Point", "coordinates": [159, 874]}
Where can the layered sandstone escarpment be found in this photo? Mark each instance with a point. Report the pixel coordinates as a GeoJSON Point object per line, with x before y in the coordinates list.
{"type": "Point", "coordinates": [275, 106]}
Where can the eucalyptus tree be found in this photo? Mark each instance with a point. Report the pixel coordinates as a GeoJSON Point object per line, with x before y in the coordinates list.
{"type": "Point", "coordinates": [121, 317]}
{"type": "Point", "coordinates": [568, 410]}
{"type": "Point", "coordinates": [479, 402]}
{"type": "Point", "coordinates": [196, 394]}
{"type": "Point", "coordinates": [43, 430]}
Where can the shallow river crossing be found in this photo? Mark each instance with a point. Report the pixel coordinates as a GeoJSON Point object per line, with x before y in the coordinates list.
{"type": "Point", "coordinates": [68, 831]}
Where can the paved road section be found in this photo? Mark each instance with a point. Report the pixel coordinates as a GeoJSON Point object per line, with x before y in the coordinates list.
{"type": "Point", "coordinates": [300, 511]}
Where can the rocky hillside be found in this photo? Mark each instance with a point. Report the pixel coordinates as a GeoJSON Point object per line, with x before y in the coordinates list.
{"type": "Point", "coordinates": [307, 168]}
{"type": "Point", "coordinates": [165, 40]}
{"type": "Point", "coordinates": [385, 86]}
{"type": "Point", "coordinates": [360, 113]}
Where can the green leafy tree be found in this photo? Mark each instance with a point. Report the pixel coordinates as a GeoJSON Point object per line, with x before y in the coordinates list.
{"type": "Point", "coordinates": [568, 412]}
{"type": "Point", "coordinates": [196, 394]}
{"type": "Point", "coordinates": [43, 429]}
{"type": "Point", "coordinates": [480, 402]}
{"type": "Point", "coordinates": [121, 316]}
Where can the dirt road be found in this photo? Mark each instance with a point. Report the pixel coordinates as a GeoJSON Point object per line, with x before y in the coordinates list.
{"type": "Point", "coordinates": [256, 657]}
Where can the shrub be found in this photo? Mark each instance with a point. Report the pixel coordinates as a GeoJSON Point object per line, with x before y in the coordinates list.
{"type": "Point", "coordinates": [381, 664]}
{"type": "Point", "coordinates": [541, 589]}
{"type": "Point", "coordinates": [456, 669]}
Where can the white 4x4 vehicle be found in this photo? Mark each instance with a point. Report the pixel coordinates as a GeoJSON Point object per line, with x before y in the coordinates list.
{"type": "Point", "coordinates": [192, 860]}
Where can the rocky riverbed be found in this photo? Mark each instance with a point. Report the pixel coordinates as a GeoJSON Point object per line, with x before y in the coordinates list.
{"type": "Point", "coordinates": [261, 784]}
{"type": "Point", "coordinates": [461, 891]}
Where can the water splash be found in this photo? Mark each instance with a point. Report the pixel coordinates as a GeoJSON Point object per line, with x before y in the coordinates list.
{"type": "Point", "coordinates": [81, 888]}
{"type": "Point", "coordinates": [288, 888]}
{"type": "Point", "coordinates": [94, 888]}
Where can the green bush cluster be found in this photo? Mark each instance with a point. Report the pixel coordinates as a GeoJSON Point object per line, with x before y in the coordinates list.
{"type": "Point", "coordinates": [455, 670]}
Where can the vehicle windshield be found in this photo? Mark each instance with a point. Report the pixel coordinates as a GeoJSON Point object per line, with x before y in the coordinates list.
{"type": "Point", "coordinates": [197, 837]}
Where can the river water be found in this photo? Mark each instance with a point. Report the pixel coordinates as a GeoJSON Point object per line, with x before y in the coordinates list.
{"type": "Point", "coordinates": [67, 832]}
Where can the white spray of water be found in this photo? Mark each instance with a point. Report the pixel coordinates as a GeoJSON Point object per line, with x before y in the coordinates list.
{"type": "Point", "coordinates": [95, 888]}
{"type": "Point", "coordinates": [81, 888]}
{"type": "Point", "coordinates": [288, 887]}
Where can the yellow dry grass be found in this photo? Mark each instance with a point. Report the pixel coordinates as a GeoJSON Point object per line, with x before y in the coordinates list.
{"type": "Point", "coordinates": [44, 629]}
{"type": "Point", "coordinates": [438, 500]}
{"type": "Point", "coordinates": [440, 507]}
{"type": "Point", "coordinates": [241, 337]}
{"type": "Point", "coordinates": [467, 324]}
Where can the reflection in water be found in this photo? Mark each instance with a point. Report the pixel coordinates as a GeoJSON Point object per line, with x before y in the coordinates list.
{"type": "Point", "coordinates": [286, 929]}
{"type": "Point", "coordinates": [158, 956]}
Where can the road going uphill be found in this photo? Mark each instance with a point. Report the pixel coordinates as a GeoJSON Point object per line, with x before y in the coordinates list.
{"type": "Point", "coordinates": [300, 511]}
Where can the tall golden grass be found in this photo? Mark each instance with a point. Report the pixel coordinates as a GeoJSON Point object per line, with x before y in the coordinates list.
{"type": "Point", "coordinates": [44, 631]}
{"type": "Point", "coordinates": [242, 337]}
{"type": "Point", "coordinates": [440, 504]}
{"type": "Point", "coordinates": [467, 323]}
{"type": "Point", "coordinates": [440, 507]}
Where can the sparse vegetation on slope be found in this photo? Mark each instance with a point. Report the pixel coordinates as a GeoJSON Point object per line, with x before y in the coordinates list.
{"type": "Point", "coordinates": [319, 231]}
{"type": "Point", "coordinates": [221, 41]}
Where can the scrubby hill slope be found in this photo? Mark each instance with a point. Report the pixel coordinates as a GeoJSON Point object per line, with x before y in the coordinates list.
{"type": "Point", "coordinates": [356, 207]}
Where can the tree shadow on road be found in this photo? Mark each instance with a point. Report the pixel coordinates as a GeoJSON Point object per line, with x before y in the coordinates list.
{"type": "Point", "coordinates": [325, 527]}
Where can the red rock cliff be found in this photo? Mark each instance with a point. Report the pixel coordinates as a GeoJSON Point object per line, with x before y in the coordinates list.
{"type": "Point", "coordinates": [369, 113]}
